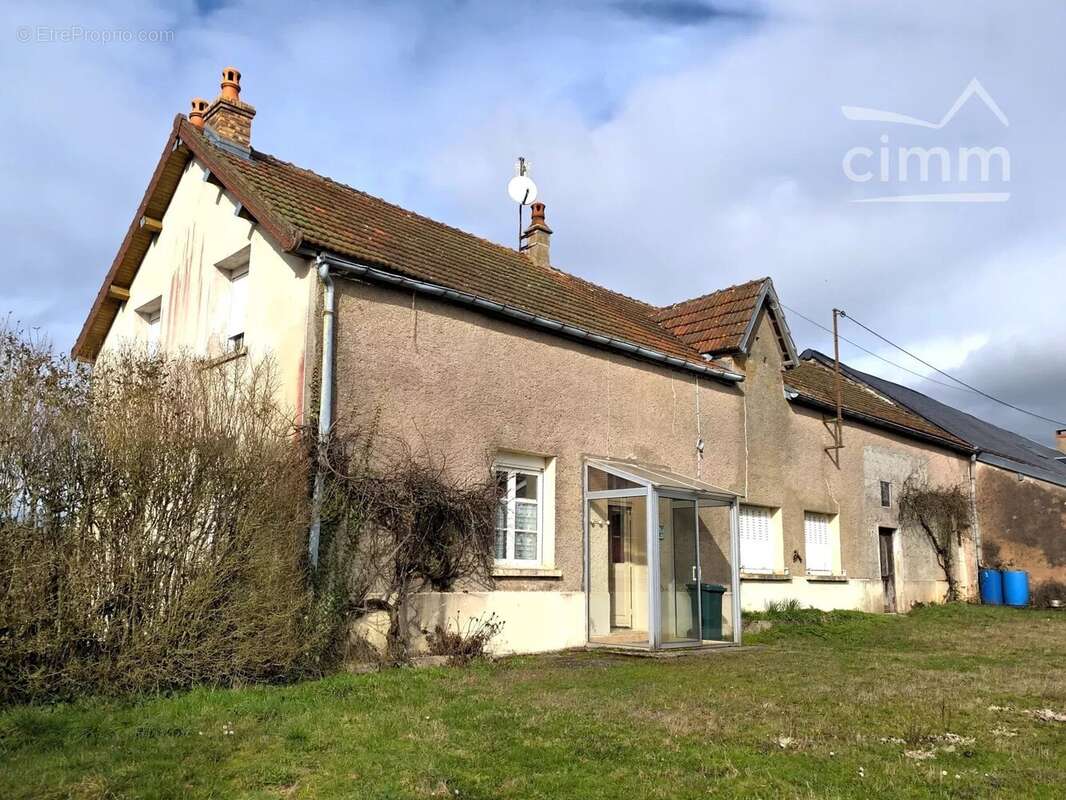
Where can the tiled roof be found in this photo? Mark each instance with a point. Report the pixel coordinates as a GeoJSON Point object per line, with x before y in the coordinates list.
{"type": "Point", "coordinates": [816, 382]}
{"type": "Point", "coordinates": [308, 212]}
{"type": "Point", "coordinates": [996, 445]}
{"type": "Point", "coordinates": [715, 322]}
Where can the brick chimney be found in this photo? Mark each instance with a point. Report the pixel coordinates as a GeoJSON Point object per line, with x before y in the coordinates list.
{"type": "Point", "coordinates": [227, 115]}
{"type": "Point", "coordinates": [1060, 440]}
{"type": "Point", "coordinates": [537, 237]}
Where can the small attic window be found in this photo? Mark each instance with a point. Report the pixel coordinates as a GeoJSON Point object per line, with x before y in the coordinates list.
{"type": "Point", "coordinates": [151, 314]}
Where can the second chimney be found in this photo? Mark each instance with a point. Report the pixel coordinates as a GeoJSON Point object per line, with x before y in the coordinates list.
{"type": "Point", "coordinates": [537, 237]}
{"type": "Point", "coordinates": [228, 116]}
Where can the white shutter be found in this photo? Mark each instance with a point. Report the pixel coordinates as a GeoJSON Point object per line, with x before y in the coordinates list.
{"type": "Point", "coordinates": [818, 542]}
{"type": "Point", "coordinates": [238, 303]}
{"type": "Point", "coordinates": [756, 540]}
{"type": "Point", "coordinates": [153, 323]}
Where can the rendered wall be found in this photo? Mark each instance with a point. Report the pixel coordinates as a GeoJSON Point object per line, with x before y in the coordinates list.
{"type": "Point", "coordinates": [788, 468]}
{"type": "Point", "coordinates": [461, 386]}
{"type": "Point", "coordinates": [1023, 522]}
{"type": "Point", "coordinates": [200, 229]}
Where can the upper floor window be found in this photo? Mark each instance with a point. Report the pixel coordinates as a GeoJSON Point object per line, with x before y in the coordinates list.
{"type": "Point", "coordinates": [886, 494]}
{"type": "Point", "coordinates": [238, 307]}
{"type": "Point", "coordinates": [151, 313]}
{"type": "Point", "coordinates": [235, 307]}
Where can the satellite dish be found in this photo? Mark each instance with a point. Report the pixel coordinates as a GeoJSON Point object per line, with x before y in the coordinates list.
{"type": "Point", "coordinates": [522, 189]}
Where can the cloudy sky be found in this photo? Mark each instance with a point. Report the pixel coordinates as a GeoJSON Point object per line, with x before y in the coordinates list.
{"type": "Point", "coordinates": [680, 147]}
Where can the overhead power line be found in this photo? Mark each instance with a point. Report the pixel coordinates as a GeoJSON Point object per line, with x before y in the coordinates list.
{"type": "Point", "coordinates": [962, 387]}
{"type": "Point", "coordinates": [872, 353]}
{"type": "Point", "coordinates": [973, 389]}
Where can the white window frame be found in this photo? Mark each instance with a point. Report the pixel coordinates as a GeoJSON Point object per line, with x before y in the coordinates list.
{"type": "Point", "coordinates": [235, 339]}
{"type": "Point", "coordinates": [152, 315]}
{"type": "Point", "coordinates": [881, 486]}
{"type": "Point", "coordinates": [235, 267]}
{"type": "Point", "coordinates": [769, 562]}
{"type": "Point", "coordinates": [821, 558]}
{"type": "Point", "coordinates": [512, 502]}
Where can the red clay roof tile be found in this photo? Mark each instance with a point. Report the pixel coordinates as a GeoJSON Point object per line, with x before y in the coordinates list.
{"type": "Point", "coordinates": [818, 383]}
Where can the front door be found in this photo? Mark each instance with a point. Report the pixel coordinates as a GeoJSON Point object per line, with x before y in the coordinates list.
{"type": "Point", "coordinates": [620, 535]}
{"type": "Point", "coordinates": [886, 536]}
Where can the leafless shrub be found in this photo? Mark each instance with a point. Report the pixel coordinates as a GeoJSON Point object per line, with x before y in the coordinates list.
{"type": "Point", "coordinates": [942, 513]}
{"type": "Point", "coordinates": [466, 642]}
{"type": "Point", "coordinates": [1048, 591]}
{"type": "Point", "coordinates": [407, 524]}
{"type": "Point", "coordinates": [153, 516]}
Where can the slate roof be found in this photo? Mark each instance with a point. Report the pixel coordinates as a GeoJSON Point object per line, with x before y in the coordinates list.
{"type": "Point", "coordinates": [816, 383]}
{"type": "Point", "coordinates": [996, 446]}
{"type": "Point", "coordinates": [305, 211]}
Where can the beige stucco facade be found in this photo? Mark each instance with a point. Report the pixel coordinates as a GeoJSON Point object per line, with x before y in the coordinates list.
{"type": "Point", "coordinates": [470, 389]}
{"type": "Point", "coordinates": [201, 230]}
{"type": "Point", "coordinates": [466, 387]}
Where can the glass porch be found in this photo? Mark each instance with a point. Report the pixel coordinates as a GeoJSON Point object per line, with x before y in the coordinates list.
{"type": "Point", "coordinates": [659, 562]}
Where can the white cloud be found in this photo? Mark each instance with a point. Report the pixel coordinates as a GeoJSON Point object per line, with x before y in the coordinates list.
{"type": "Point", "coordinates": [678, 151]}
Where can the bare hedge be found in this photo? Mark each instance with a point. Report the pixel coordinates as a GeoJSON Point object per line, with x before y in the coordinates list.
{"type": "Point", "coordinates": [153, 519]}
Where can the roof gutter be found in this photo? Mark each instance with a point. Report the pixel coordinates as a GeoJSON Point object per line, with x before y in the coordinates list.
{"type": "Point", "coordinates": [357, 269]}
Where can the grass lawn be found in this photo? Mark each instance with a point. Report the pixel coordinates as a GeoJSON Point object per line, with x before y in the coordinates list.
{"type": "Point", "coordinates": [927, 705]}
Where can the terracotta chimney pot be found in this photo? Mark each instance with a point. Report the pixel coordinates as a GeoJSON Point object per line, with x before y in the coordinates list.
{"type": "Point", "coordinates": [536, 239]}
{"type": "Point", "coordinates": [196, 113]}
{"type": "Point", "coordinates": [1060, 440]}
{"type": "Point", "coordinates": [231, 84]}
{"type": "Point", "coordinates": [229, 116]}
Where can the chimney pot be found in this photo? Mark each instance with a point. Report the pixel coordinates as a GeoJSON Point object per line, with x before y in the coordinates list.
{"type": "Point", "coordinates": [538, 213]}
{"type": "Point", "coordinates": [229, 116]}
{"type": "Point", "coordinates": [231, 84]}
{"type": "Point", "coordinates": [537, 237]}
{"type": "Point", "coordinates": [1060, 439]}
{"type": "Point", "coordinates": [196, 113]}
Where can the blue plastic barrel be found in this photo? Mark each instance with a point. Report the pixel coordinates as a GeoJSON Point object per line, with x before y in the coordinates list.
{"type": "Point", "coordinates": [1016, 587]}
{"type": "Point", "coordinates": [991, 583]}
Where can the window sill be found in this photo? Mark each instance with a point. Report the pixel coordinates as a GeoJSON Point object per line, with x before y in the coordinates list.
{"type": "Point", "coordinates": [526, 572]}
{"type": "Point", "coordinates": [225, 358]}
{"type": "Point", "coordinates": [827, 579]}
{"type": "Point", "coordinates": [765, 576]}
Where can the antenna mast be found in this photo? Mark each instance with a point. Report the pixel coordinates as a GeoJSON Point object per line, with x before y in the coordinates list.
{"type": "Point", "coordinates": [522, 190]}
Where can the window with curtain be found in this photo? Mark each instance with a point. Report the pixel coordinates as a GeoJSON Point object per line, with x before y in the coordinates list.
{"type": "Point", "coordinates": [756, 539]}
{"type": "Point", "coordinates": [519, 515]}
{"type": "Point", "coordinates": [818, 536]}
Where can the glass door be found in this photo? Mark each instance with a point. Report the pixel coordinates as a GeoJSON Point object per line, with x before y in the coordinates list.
{"type": "Point", "coordinates": [618, 571]}
{"type": "Point", "coordinates": [679, 571]}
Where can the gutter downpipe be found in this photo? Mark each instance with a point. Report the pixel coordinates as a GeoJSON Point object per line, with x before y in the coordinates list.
{"type": "Point", "coordinates": [973, 509]}
{"type": "Point", "coordinates": [325, 406]}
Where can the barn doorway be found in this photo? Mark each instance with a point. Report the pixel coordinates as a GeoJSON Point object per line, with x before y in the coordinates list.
{"type": "Point", "coordinates": [887, 540]}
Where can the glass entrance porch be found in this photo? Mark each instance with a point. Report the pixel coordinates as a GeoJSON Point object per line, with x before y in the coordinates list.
{"type": "Point", "coordinates": [659, 562]}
